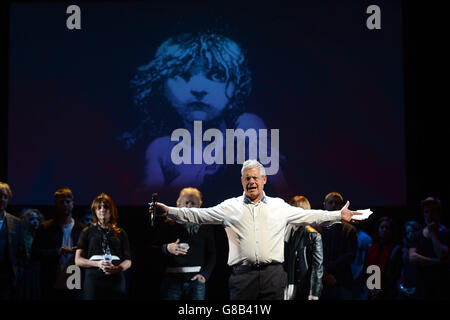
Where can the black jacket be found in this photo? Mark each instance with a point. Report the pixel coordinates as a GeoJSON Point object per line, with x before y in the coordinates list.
{"type": "Point", "coordinates": [202, 251]}
{"type": "Point", "coordinates": [340, 243]}
{"type": "Point", "coordinates": [45, 248]}
{"type": "Point", "coordinates": [303, 256]}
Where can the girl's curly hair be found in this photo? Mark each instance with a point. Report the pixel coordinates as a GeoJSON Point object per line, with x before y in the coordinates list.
{"type": "Point", "coordinates": [176, 56]}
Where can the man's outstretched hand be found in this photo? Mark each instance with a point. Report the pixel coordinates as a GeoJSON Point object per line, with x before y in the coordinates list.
{"type": "Point", "coordinates": [161, 209]}
{"type": "Point", "coordinates": [348, 215]}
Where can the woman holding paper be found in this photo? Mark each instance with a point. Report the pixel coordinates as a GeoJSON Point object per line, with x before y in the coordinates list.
{"type": "Point", "coordinates": [104, 250]}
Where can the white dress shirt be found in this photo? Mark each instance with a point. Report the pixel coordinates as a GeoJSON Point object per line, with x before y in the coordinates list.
{"type": "Point", "coordinates": [255, 230]}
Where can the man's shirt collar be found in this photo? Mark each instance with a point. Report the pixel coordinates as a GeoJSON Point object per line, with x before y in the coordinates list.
{"type": "Point", "coordinates": [247, 200]}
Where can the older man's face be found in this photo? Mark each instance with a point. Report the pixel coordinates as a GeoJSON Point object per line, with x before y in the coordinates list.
{"type": "Point", "coordinates": [253, 183]}
{"type": "Point", "coordinates": [189, 201]}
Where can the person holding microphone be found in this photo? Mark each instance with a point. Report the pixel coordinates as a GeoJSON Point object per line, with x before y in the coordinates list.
{"type": "Point", "coordinates": [255, 225]}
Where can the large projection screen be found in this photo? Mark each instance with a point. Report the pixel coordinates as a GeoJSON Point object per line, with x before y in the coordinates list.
{"type": "Point", "coordinates": [155, 96]}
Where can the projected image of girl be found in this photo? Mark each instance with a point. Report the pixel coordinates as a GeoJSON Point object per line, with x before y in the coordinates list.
{"type": "Point", "coordinates": [193, 77]}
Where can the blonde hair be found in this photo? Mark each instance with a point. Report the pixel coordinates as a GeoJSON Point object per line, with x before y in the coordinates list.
{"type": "Point", "coordinates": [4, 188]}
{"type": "Point", "coordinates": [190, 191]}
{"type": "Point", "coordinates": [300, 201]}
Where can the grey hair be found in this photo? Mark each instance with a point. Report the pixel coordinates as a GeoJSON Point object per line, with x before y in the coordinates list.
{"type": "Point", "coordinates": [253, 164]}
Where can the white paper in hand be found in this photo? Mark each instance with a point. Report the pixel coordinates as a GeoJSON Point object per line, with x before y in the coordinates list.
{"type": "Point", "coordinates": [365, 214]}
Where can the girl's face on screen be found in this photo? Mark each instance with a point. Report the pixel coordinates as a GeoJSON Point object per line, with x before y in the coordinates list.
{"type": "Point", "coordinates": [200, 93]}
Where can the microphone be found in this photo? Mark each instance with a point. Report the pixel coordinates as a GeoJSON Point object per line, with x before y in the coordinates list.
{"type": "Point", "coordinates": [152, 215]}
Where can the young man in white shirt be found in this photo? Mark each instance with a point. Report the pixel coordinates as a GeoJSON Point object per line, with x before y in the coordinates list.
{"type": "Point", "coordinates": [54, 247]}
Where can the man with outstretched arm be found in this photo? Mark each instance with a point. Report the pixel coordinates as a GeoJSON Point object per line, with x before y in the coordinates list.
{"type": "Point", "coordinates": [255, 224]}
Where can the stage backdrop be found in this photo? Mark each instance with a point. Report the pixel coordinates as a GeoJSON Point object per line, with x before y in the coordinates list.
{"type": "Point", "coordinates": [136, 98]}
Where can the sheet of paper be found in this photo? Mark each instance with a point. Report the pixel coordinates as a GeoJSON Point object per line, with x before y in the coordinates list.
{"type": "Point", "coordinates": [365, 214]}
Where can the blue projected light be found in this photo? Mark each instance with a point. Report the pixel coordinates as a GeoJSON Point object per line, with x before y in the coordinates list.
{"type": "Point", "coordinates": [204, 80]}
{"type": "Point", "coordinates": [154, 97]}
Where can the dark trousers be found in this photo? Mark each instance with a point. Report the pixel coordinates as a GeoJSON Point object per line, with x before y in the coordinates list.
{"type": "Point", "coordinates": [98, 286]}
{"type": "Point", "coordinates": [173, 288]}
{"type": "Point", "coordinates": [264, 283]}
{"type": "Point", "coordinates": [336, 293]}
{"type": "Point", "coordinates": [6, 289]}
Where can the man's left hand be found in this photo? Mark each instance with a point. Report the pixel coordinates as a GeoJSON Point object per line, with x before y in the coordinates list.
{"type": "Point", "coordinates": [347, 214]}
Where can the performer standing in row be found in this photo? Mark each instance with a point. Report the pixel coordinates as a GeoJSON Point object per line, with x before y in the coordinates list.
{"type": "Point", "coordinates": [11, 247]}
{"type": "Point", "coordinates": [104, 250]}
{"type": "Point", "coordinates": [54, 247]}
{"type": "Point", "coordinates": [187, 268]}
{"type": "Point", "coordinates": [303, 254]}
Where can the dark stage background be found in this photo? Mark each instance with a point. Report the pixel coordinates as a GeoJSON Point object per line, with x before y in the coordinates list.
{"type": "Point", "coordinates": [338, 89]}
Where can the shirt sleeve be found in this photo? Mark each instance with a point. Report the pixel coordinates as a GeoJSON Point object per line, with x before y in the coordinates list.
{"type": "Point", "coordinates": [83, 241]}
{"type": "Point", "coordinates": [126, 252]}
{"type": "Point", "coordinates": [212, 215]}
{"type": "Point", "coordinates": [316, 265]}
{"type": "Point", "coordinates": [164, 248]}
{"type": "Point", "coordinates": [300, 216]}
